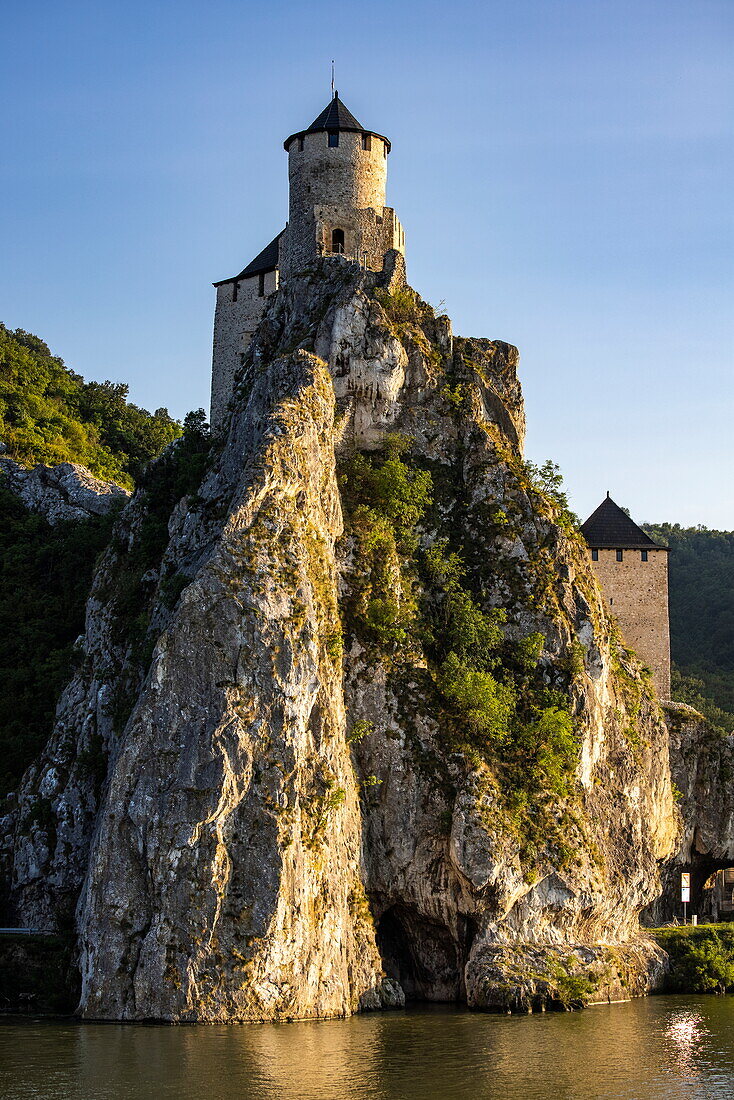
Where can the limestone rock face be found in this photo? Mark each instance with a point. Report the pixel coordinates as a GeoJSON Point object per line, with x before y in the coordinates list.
{"type": "Point", "coordinates": [288, 818]}
{"type": "Point", "coordinates": [702, 766]}
{"type": "Point", "coordinates": [56, 806]}
{"type": "Point", "coordinates": [60, 493]}
{"type": "Point", "coordinates": [224, 882]}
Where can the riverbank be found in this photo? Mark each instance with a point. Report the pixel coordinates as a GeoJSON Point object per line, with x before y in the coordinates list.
{"type": "Point", "coordinates": [701, 957]}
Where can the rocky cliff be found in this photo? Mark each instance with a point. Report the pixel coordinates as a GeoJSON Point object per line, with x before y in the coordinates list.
{"type": "Point", "coordinates": [61, 493]}
{"type": "Point", "coordinates": [702, 768]}
{"type": "Point", "coordinates": [351, 721]}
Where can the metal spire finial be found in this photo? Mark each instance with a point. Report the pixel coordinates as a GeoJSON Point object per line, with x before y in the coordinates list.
{"type": "Point", "coordinates": [332, 78]}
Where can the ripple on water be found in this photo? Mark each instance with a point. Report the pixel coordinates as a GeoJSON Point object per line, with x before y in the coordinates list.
{"type": "Point", "coordinates": [662, 1048]}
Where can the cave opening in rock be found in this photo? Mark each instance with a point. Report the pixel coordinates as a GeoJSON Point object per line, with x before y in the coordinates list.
{"type": "Point", "coordinates": [423, 954]}
{"type": "Point", "coordinates": [711, 891]}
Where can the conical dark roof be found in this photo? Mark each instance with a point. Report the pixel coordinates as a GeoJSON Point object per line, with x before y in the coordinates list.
{"type": "Point", "coordinates": [609, 528]}
{"type": "Point", "coordinates": [335, 117]}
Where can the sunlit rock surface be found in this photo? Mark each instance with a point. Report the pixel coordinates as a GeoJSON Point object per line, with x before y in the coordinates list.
{"type": "Point", "coordinates": [61, 493]}
{"type": "Point", "coordinates": [236, 852]}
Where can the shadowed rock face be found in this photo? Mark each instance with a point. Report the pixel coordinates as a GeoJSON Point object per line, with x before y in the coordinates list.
{"type": "Point", "coordinates": [702, 767]}
{"type": "Point", "coordinates": [243, 859]}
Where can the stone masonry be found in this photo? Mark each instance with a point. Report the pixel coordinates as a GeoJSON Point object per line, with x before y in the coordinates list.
{"type": "Point", "coordinates": [339, 188]}
{"type": "Point", "coordinates": [337, 173]}
{"type": "Point", "coordinates": [637, 593]}
{"type": "Point", "coordinates": [240, 306]}
{"type": "Point", "coordinates": [633, 573]}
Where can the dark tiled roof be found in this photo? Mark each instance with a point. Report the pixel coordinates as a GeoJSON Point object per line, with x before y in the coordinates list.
{"type": "Point", "coordinates": [333, 118]}
{"type": "Point", "coordinates": [267, 260]}
{"type": "Point", "coordinates": [609, 528]}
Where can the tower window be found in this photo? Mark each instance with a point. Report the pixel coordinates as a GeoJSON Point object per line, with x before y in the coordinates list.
{"type": "Point", "coordinates": [337, 241]}
{"type": "Point", "coordinates": [643, 555]}
{"type": "Point", "coordinates": [595, 555]}
{"type": "Point", "coordinates": [261, 284]}
{"type": "Point", "coordinates": [620, 555]}
{"type": "Point", "coordinates": [367, 141]}
{"type": "Point", "coordinates": [235, 288]}
{"type": "Point", "coordinates": [300, 145]}
{"type": "Point", "coordinates": [334, 141]}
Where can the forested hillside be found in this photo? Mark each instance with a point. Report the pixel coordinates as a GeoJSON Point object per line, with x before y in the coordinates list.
{"type": "Point", "coordinates": [45, 575]}
{"type": "Point", "coordinates": [701, 617]}
{"type": "Point", "coordinates": [49, 414]}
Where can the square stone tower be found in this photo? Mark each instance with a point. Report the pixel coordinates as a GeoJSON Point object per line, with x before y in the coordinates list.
{"type": "Point", "coordinates": [337, 175]}
{"type": "Point", "coordinates": [633, 573]}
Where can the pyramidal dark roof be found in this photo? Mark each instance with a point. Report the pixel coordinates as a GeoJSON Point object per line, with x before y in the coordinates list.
{"type": "Point", "coordinates": [335, 117]}
{"type": "Point", "coordinates": [265, 261]}
{"type": "Point", "coordinates": [609, 528]}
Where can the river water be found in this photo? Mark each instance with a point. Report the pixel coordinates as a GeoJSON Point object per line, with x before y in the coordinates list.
{"type": "Point", "coordinates": [661, 1047]}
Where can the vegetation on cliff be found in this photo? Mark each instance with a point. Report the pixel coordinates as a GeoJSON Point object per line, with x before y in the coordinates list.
{"type": "Point", "coordinates": [132, 584]}
{"type": "Point", "coordinates": [413, 597]}
{"type": "Point", "coordinates": [701, 617]}
{"type": "Point", "coordinates": [49, 414]}
{"type": "Point", "coordinates": [45, 575]}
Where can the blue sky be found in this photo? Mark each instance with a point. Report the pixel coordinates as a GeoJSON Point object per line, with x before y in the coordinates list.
{"type": "Point", "coordinates": [563, 170]}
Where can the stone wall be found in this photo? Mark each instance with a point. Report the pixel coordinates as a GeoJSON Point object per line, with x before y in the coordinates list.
{"type": "Point", "coordinates": [239, 310]}
{"type": "Point", "coordinates": [340, 187]}
{"type": "Point", "coordinates": [347, 176]}
{"type": "Point", "coordinates": [637, 593]}
{"type": "Point", "coordinates": [37, 974]}
{"type": "Point", "coordinates": [368, 234]}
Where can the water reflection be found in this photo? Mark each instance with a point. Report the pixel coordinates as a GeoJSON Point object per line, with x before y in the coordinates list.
{"type": "Point", "coordinates": [661, 1048]}
{"type": "Point", "coordinates": [685, 1034]}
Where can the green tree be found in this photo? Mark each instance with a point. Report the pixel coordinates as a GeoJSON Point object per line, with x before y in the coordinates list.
{"type": "Point", "coordinates": [701, 579]}
{"type": "Point", "coordinates": [45, 574]}
{"type": "Point", "coordinates": [49, 414]}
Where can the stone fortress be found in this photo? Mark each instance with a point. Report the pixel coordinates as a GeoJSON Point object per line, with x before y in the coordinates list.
{"type": "Point", "coordinates": [632, 571]}
{"type": "Point", "coordinates": [337, 174]}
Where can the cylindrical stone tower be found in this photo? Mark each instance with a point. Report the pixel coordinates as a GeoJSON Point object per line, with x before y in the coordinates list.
{"type": "Point", "coordinates": [337, 174]}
